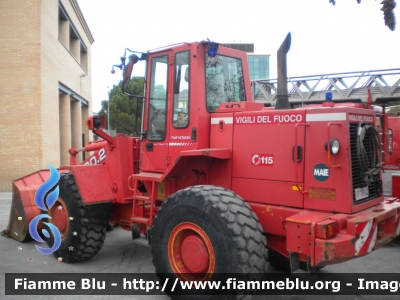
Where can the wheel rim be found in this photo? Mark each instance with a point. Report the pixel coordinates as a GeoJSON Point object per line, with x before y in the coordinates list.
{"type": "Point", "coordinates": [59, 217]}
{"type": "Point", "coordinates": [190, 252]}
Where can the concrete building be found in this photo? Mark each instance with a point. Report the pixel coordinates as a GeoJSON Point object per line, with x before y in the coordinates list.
{"type": "Point", "coordinates": [45, 85]}
{"type": "Point", "coordinates": [258, 63]}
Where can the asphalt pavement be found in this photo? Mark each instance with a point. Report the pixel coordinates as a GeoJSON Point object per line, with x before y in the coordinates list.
{"type": "Point", "coordinates": [120, 255]}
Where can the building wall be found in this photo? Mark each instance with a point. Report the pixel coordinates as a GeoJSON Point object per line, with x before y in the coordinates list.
{"type": "Point", "coordinates": [34, 63]}
{"type": "Point", "coordinates": [49, 66]}
{"type": "Point", "coordinates": [20, 132]}
{"type": "Point", "coordinates": [71, 75]}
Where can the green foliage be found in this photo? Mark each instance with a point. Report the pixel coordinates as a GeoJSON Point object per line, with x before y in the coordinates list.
{"type": "Point", "coordinates": [123, 109]}
{"type": "Point", "coordinates": [159, 92]}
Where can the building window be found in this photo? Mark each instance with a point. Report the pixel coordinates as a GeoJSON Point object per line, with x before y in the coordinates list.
{"type": "Point", "coordinates": [69, 36]}
{"type": "Point", "coordinates": [258, 66]}
{"type": "Point", "coordinates": [63, 28]}
{"type": "Point", "coordinates": [84, 58]}
{"type": "Point", "coordinates": [74, 44]}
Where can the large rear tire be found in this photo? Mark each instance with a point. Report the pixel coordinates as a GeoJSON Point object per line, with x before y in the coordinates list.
{"type": "Point", "coordinates": [206, 230]}
{"type": "Point", "coordinates": [79, 241]}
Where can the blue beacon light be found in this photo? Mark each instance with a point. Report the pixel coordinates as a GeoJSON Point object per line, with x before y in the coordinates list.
{"type": "Point", "coordinates": [328, 96]}
{"type": "Point", "coordinates": [212, 49]}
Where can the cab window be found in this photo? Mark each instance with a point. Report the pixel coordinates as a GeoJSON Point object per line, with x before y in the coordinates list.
{"type": "Point", "coordinates": [157, 98]}
{"type": "Point", "coordinates": [180, 116]}
{"type": "Point", "coordinates": [224, 81]}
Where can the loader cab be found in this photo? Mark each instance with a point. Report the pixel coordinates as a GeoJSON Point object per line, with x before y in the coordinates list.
{"type": "Point", "coordinates": [186, 83]}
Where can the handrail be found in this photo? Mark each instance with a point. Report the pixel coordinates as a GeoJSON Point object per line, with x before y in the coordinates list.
{"type": "Point", "coordinates": [299, 188]}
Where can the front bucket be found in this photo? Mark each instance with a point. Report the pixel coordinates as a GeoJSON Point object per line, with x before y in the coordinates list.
{"type": "Point", "coordinates": [23, 207]}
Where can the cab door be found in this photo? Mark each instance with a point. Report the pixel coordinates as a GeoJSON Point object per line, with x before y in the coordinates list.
{"type": "Point", "coordinates": [155, 146]}
{"type": "Point", "coordinates": [180, 123]}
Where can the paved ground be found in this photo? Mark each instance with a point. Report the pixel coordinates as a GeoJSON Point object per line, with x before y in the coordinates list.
{"type": "Point", "coordinates": [120, 255]}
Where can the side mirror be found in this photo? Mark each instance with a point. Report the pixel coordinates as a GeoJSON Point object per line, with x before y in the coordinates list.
{"type": "Point", "coordinates": [133, 59]}
{"type": "Point", "coordinates": [95, 122]}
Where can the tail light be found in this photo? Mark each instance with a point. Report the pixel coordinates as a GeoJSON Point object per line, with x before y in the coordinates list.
{"type": "Point", "coordinates": [95, 122]}
{"type": "Point", "coordinates": [327, 229]}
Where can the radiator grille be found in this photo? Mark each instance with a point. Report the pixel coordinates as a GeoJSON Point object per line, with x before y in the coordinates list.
{"type": "Point", "coordinates": [357, 177]}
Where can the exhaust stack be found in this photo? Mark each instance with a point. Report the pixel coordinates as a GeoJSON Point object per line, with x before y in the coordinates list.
{"type": "Point", "coordinates": [282, 101]}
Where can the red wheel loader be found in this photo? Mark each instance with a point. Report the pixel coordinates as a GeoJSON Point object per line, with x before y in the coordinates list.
{"type": "Point", "coordinates": [216, 181]}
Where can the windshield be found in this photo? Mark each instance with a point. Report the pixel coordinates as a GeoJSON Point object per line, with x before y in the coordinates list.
{"type": "Point", "coordinates": [224, 81]}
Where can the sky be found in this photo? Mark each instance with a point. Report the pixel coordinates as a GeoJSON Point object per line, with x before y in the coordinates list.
{"type": "Point", "coordinates": [325, 38]}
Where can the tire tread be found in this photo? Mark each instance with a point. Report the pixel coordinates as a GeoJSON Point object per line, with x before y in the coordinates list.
{"type": "Point", "coordinates": [247, 232]}
{"type": "Point", "coordinates": [91, 237]}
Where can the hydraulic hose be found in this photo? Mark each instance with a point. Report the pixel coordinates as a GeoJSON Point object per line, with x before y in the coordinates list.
{"type": "Point", "coordinates": [370, 163]}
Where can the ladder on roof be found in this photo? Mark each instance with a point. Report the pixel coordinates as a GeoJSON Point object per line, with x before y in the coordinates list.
{"type": "Point", "coordinates": [384, 84]}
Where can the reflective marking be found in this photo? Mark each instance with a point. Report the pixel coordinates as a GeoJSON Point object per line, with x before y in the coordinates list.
{"type": "Point", "coordinates": [182, 144]}
{"type": "Point", "coordinates": [373, 239]}
{"type": "Point", "coordinates": [363, 236]}
{"type": "Point", "coordinates": [326, 117]}
{"type": "Point", "coordinates": [226, 120]}
{"type": "Point", "coordinates": [398, 223]}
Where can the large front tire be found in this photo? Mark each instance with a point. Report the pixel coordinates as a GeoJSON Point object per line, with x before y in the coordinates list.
{"type": "Point", "coordinates": [79, 241]}
{"type": "Point", "coordinates": [206, 230]}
